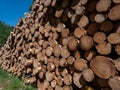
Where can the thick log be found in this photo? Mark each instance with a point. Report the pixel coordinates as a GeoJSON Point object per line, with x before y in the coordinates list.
{"type": "Point", "coordinates": [99, 18]}
{"type": "Point", "coordinates": [80, 64]}
{"type": "Point", "coordinates": [103, 5]}
{"type": "Point", "coordinates": [59, 13]}
{"type": "Point", "coordinates": [59, 80]}
{"type": "Point", "coordinates": [116, 1]}
{"type": "Point", "coordinates": [49, 51]}
{"type": "Point", "coordinates": [117, 64]}
{"type": "Point", "coordinates": [65, 53]}
{"type": "Point", "coordinates": [114, 38]}
{"type": "Point", "coordinates": [117, 49]}
{"type": "Point", "coordinates": [79, 32]}
{"type": "Point", "coordinates": [99, 37]}
{"type": "Point", "coordinates": [88, 75]}
{"type": "Point", "coordinates": [86, 42]}
{"type": "Point", "coordinates": [102, 67]}
{"type": "Point", "coordinates": [93, 28]}
{"type": "Point", "coordinates": [76, 78]}
{"type": "Point", "coordinates": [83, 21]}
{"type": "Point", "coordinates": [70, 60]}
{"type": "Point", "coordinates": [114, 13]}
{"type": "Point", "coordinates": [114, 83]}
{"type": "Point", "coordinates": [53, 83]}
{"type": "Point", "coordinates": [104, 48]}
{"type": "Point", "coordinates": [67, 88]}
{"type": "Point", "coordinates": [67, 79]}
{"type": "Point", "coordinates": [65, 33]}
{"type": "Point", "coordinates": [89, 55]}
{"type": "Point", "coordinates": [106, 26]}
{"type": "Point", "coordinates": [57, 50]}
{"type": "Point", "coordinates": [73, 44]}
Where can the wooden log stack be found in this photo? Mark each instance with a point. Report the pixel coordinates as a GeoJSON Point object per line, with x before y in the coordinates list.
{"type": "Point", "coordinates": [66, 45]}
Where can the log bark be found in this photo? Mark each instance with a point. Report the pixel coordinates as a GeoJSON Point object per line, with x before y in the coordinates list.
{"type": "Point", "coordinates": [114, 83]}
{"type": "Point", "coordinates": [117, 49]}
{"type": "Point", "coordinates": [73, 44]}
{"type": "Point", "coordinates": [99, 37]}
{"type": "Point", "coordinates": [67, 79]}
{"type": "Point", "coordinates": [102, 67]}
{"type": "Point", "coordinates": [114, 38]}
{"type": "Point", "coordinates": [79, 32]}
{"type": "Point", "coordinates": [106, 26]}
{"type": "Point", "coordinates": [86, 42]}
{"type": "Point", "coordinates": [88, 75]}
{"type": "Point", "coordinates": [80, 64]}
{"type": "Point", "coordinates": [117, 64]}
{"type": "Point", "coordinates": [76, 78]}
{"type": "Point", "coordinates": [103, 5]}
{"type": "Point", "coordinates": [104, 48]}
{"type": "Point", "coordinates": [114, 13]}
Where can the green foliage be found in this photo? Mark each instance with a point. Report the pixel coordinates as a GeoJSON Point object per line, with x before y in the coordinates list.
{"type": "Point", "coordinates": [4, 32]}
{"type": "Point", "coordinates": [9, 82]}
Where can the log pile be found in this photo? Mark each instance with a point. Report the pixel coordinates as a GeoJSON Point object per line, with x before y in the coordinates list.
{"type": "Point", "coordinates": [66, 45]}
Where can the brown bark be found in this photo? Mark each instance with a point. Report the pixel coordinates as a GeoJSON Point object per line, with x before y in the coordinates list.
{"type": "Point", "coordinates": [102, 67]}
{"type": "Point", "coordinates": [58, 87]}
{"type": "Point", "coordinates": [104, 48]}
{"type": "Point", "coordinates": [117, 49]}
{"type": "Point", "coordinates": [106, 26]}
{"type": "Point", "coordinates": [80, 10]}
{"type": "Point", "coordinates": [53, 83]}
{"type": "Point", "coordinates": [93, 28]}
{"type": "Point", "coordinates": [103, 5]}
{"type": "Point", "coordinates": [116, 1]}
{"type": "Point", "coordinates": [65, 33]}
{"type": "Point", "coordinates": [63, 62]}
{"type": "Point", "coordinates": [83, 21]}
{"type": "Point", "coordinates": [80, 64]}
{"type": "Point", "coordinates": [67, 88]}
{"type": "Point", "coordinates": [114, 13]}
{"type": "Point", "coordinates": [117, 64]}
{"type": "Point", "coordinates": [99, 37]}
{"type": "Point", "coordinates": [73, 44]}
{"type": "Point", "coordinates": [65, 53]}
{"type": "Point", "coordinates": [49, 51]}
{"type": "Point", "coordinates": [114, 83]}
{"type": "Point", "coordinates": [57, 50]}
{"type": "Point", "coordinates": [59, 80]}
{"type": "Point", "coordinates": [49, 76]}
{"type": "Point", "coordinates": [79, 32]}
{"type": "Point", "coordinates": [76, 78]}
{"type": "Point", "coordinates": [67, 79]}
{"type": "Point", "coordinates": [40, 85]}
{"type": "Point", "coordinates": [65, 41]}
{"type": "Point", "coordinates": [47, 2]}
{"type": "Point", "coordinates": [99, 18]}
{"type": "Point", "coordinates": [70, 60]}
{"type": "Point", "coordinates": [86, 42]}
{"type": "Point", "coordinates": [50, 67]}
{"type": "Point", "coordinates": [89, 55]}
{"type": "Point", "coordinates": [59, 13]}
{"type": "Point", "coordinates": [114, 38]}
{"type": "Point", "coordinates": [88, 74]}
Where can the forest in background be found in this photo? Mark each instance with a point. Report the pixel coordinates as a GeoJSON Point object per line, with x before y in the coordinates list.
{"type": "Point", "coordinates": [4, 32]}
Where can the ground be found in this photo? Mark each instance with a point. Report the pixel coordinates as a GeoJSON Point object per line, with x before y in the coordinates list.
{"type": "Point", "coordinates": [9, 82]}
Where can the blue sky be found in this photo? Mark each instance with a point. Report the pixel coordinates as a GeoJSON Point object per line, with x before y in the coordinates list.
{"type": "Point", "coordinates": [12, 10]}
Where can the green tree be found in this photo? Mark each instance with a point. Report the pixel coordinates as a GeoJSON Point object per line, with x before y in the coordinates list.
{"type": "Point", "coordinates": [4, 32]}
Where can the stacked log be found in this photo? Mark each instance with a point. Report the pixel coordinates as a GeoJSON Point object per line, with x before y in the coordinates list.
{"type": "Point", "coordinates": [66, 45]}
